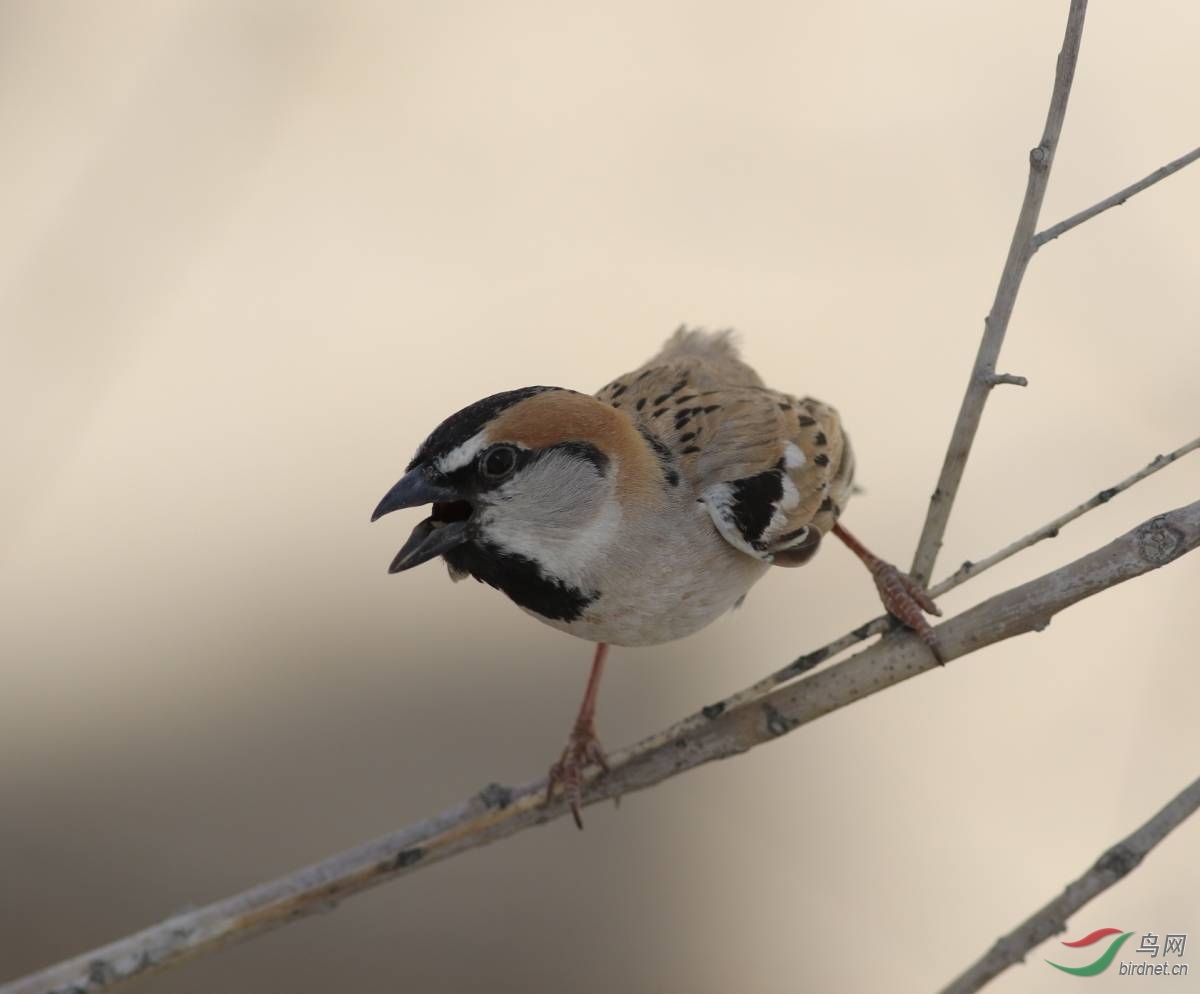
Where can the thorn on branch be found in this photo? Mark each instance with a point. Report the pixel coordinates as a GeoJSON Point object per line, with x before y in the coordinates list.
{"type": "Point", "coordinates": [995, 379]}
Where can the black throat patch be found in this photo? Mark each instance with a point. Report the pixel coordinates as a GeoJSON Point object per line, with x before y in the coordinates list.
{"type": "Point", "coordinates": [522, 580]}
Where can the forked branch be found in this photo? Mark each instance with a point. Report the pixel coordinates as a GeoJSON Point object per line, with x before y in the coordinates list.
{"type": "Point", "coordinates": [1020, 251]}
{"type": "Point", "coordinates": [1116, 199]}
{"type": "Point", "coordinates": [1024, 244]}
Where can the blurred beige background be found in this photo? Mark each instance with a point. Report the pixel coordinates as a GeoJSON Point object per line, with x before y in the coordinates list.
{"type": "Point", "coordinates": [252, 253]}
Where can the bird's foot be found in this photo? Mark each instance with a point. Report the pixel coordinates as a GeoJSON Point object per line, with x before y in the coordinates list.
{"type": "Point", "coordinates": [906, 600]}
{"type": "Point", "coordinates": [903, 597]}
{"type": "Point", "coordinates": [583, 750]}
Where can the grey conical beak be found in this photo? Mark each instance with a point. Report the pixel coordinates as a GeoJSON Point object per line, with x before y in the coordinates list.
{"type": "Point", "coordinates": [429, 539]}
{"type": "Point", "coordinates": [418, 486]}
{"type": "Point", "coordinates": [435, 535]}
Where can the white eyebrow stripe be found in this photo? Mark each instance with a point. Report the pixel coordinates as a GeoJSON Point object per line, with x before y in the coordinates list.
{"type": "Point", "coordinates": [463, 454]}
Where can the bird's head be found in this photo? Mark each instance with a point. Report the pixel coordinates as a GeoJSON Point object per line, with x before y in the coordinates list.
{"type": "Point", "coordinates": [527, 489]}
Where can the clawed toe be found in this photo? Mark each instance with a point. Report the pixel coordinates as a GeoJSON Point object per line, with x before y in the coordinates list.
{"type": "Point", "coordinates": [906, 600]}
{"type": "Point", "coordinates": [583, 750]}
{"type": "Point", "coordinates": [903, 597]}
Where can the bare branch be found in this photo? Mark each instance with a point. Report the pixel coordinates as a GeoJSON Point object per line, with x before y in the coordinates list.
{"type": "Point", "coordinates": [1051, 919]}
{"type": "Point", "coordinates": [1115, 200]}
{"type": "Point", "coordinates": [970, 569]}
{"type": "Point", "coordinates": [994, 327]}
{"type": "Point", "coordinates": [497, 812]}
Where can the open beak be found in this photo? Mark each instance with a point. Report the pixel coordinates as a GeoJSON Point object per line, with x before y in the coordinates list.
{"type": "Point", "coordinates": [448, 526]}
{"type": "Point", "coordinates": [418, 486]}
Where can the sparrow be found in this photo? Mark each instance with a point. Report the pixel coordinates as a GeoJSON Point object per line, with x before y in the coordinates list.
{"type": "Point", "coordinates": [641, 513]}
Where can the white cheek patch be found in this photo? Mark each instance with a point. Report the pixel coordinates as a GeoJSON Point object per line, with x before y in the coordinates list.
{"type": "Point", "coordinates": [463, 455]}
{"type": "Point", "coordinates": [559, 514]}
{"type": "Point", "coordinates": [793, 458]}
{"type": "Point", "coordinates": [566, 553]}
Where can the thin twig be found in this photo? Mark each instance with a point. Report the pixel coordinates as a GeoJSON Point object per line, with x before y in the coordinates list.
{"type": "Point", "coordinates": [1115, 200]}
{"type": "Point", "coordinates": [1051, 919]}
{"type": "Point", "coordinates": [497, 812]}
{"type": "Point", "coordinates": [1020, 251]}
{"type": "Point", "coordinates": [1051, 530]}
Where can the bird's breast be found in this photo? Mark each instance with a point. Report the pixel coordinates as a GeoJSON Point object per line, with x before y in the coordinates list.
{"type": "Point", "coordinates": [661, 584]}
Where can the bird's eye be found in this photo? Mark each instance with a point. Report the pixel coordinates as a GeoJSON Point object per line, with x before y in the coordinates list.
{"type": "Point", "coordinates": [497, 462]}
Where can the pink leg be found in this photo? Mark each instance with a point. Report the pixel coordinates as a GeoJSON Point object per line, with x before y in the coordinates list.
{"type": "Point", "coordinates": [583, 747]}
{"type": "Point", "coordinates": [902, 596]}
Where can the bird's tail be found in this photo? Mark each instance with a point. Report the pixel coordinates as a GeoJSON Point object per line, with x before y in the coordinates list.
{"type": "Point", "coordinates": [709, 357]}
{"type": "Point", "coordinates": [713, 345]}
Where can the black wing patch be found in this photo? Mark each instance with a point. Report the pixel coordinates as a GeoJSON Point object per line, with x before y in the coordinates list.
{"type": "Point", "coordinates": [752, 515]}
{"type": "Point", "coordinates": [752, 504]}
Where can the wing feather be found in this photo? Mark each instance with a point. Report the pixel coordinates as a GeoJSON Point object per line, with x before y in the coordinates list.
{"type": "Point", "coordinates": [774, 471]}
